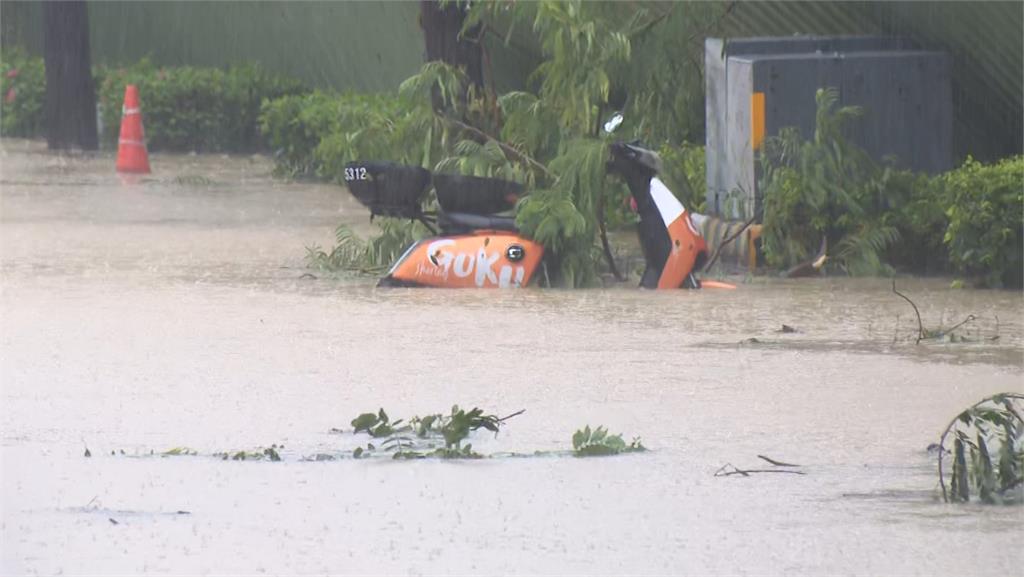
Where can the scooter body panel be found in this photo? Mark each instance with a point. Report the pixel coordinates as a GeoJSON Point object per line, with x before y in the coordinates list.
{"type": "Point", "coordinates": [671, 244]}
{"type": "Point", "coordinates": [686, 247]}
{"type": "Point", "coordinates": [482, 259]}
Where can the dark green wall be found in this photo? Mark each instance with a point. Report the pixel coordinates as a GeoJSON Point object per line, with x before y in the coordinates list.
{"type": "Point", "coordinates": [371, 46]}
{"type": "Point", "coordinates": [366, 46]}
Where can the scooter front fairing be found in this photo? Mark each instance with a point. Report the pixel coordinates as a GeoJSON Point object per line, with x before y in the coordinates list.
{"type": "Point", "coordinates": [481, 259]}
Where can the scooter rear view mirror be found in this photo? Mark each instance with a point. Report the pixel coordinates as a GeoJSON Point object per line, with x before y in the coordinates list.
{"type": "Point", "coordinates": [613, 122]}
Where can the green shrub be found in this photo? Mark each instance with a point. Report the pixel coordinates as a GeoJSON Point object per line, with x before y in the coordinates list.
{"type": "Point", "coordinates": [913, 204]}
{"type": "Point", "coordinates": [986, 229]}
{"type": "Point", "coordinates": [318, 133]}
{"type": "Point", "coordinates": [23, 90]}
{"type": "Point", "coordinates": [874, 217]}
{"type": "Point", "coordinates": [294, 126]}
{"type": "Point", "coordinates": [192, 109]}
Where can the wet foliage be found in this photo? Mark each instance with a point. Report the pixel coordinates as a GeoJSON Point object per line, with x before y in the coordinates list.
{"type": "Point", "coordinates": [873, 218]}
{"type": "Point", "coordinates": [22, 94]}
{"type": "Point", "coordinates": [436, 436]}
{"type": "Point", "coordinates": [187, 108]}
{"type": "Point", "coordinates": [597, 442]}
{"type": "Point", "coordinates": [823, 188]}
{"type": "Point", "coordinates": [986, 463]}
{"type": "Point", "coordinates": [986, 232]}
{"type": "Point", "coordinates": [372, 256]}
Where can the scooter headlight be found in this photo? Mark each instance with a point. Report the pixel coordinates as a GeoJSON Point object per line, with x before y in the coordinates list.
{"type": "Point", "coordinates": [515, 252]}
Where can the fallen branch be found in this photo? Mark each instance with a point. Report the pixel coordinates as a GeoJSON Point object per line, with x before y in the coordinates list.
{"type": "Point", "coordinates": [503, 145]}
{"type": "Point", "coordinates": [962, 323]}
{"type": "Point", "coordinates": [813, 266]}
{"type": "Point", "coordinates": [776, 463]}
{"type": "Point", "coordinates": [724, 471]}
{"type": "Point", "coordinates": [920, 325]}
{"type": "Point", "coordinates": [515, 414]}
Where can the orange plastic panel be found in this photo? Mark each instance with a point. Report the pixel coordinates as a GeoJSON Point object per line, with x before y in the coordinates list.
{"type": "Point", "coordinates": [716, 284]}
{"type": "Point", "coordinates": [686, 245]}
{"type": "Point", "coordinates": [479, 260]}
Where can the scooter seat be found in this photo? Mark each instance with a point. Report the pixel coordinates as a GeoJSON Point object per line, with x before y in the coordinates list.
{"type": "Point", "coordinates": [461, 221]}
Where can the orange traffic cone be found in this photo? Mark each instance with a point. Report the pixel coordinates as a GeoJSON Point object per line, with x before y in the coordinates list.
{"type": "Point", "coordinates": [131, 147]}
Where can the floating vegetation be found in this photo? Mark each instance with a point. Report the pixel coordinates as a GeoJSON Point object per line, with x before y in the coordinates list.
{"type": "Point", "coordinates": [441, 436]}
{"type": "Point", "coordinates": [598, 443]}
{"type": "Point", "coordinates": [270, 454]}
{"type": "Point", "coordinates": [988, 452]}
{"type": "Point", "coordinates": [436, 436]}
{"type": "Point", "coordinates": [178, 451]}
{"type": "Point", "coordinates": [433, 436]}
{"type": "Point", "coordinates": [193, 180]}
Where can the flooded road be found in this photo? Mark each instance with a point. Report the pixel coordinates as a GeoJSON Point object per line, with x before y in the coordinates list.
{"type": "Point", "coordinates": [173, 312]}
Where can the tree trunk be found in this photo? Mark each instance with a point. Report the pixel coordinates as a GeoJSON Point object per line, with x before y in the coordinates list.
{"type": "Point", "coordinates": [441, 28]}
{"type": "Point", "coordinates": [70, 94]}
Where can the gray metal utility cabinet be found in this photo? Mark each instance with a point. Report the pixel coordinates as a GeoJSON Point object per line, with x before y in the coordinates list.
{"type": "Point", "coordinates": [756, 86]}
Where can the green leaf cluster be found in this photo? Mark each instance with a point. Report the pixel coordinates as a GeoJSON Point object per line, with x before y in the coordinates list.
{"type": "Point", "coordinates": [431, 436]}
{"type": "Point", "coordinates": [373, 256]}
{"type": "Point", "coordinates": [988, 452]}
{"type": "Point", "coordinates": [598, 443]}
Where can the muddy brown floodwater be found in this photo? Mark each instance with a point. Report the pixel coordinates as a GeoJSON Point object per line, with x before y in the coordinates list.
{"type": "Point", "coordinates": [172, 312]}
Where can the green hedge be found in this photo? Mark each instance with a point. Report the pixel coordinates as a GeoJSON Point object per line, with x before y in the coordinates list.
{"type": "Point", "coordinates": [183, 108]}
{"type": "Point", "coordinates": [316, 134]}
{"type": "Point", "coordinates": [193, 109]}
{"type": "Point", "coordinates": [986, 227]}
{"type": "Point", "coordinates": [23, 93]}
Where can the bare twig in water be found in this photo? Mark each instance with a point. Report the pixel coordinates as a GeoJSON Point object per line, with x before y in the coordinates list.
{"type": "Point", "coordinates": [725, 471]}
{"type": "Point", "coordinates": [515, 414]}
{"type": "Point", "coordinates": [962, 323]}
{"type": "Point", "coordinates": [776, 463]}
{"type": "Point", "coordinates": [920, 325]}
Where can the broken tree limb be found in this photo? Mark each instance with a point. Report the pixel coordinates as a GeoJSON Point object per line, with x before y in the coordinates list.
{"type": "Point", "coordinates": [515, 414]}
{"type": "Point", "coordinates": [920, 325]}
{"type": "Point", "coordinates": [813, 266]}
{"type": "Point", "coordinates": [776, 463]}
{"type": "Point", "coordinates": [962, 323]}
{"type": "Point", "coordinates": [530, 161]}
{"type": "Point", "coordinates": [730, 469]}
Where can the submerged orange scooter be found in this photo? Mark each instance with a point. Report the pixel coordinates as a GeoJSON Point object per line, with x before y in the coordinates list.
{"type": "Point", "coordinates": [475, 247]}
